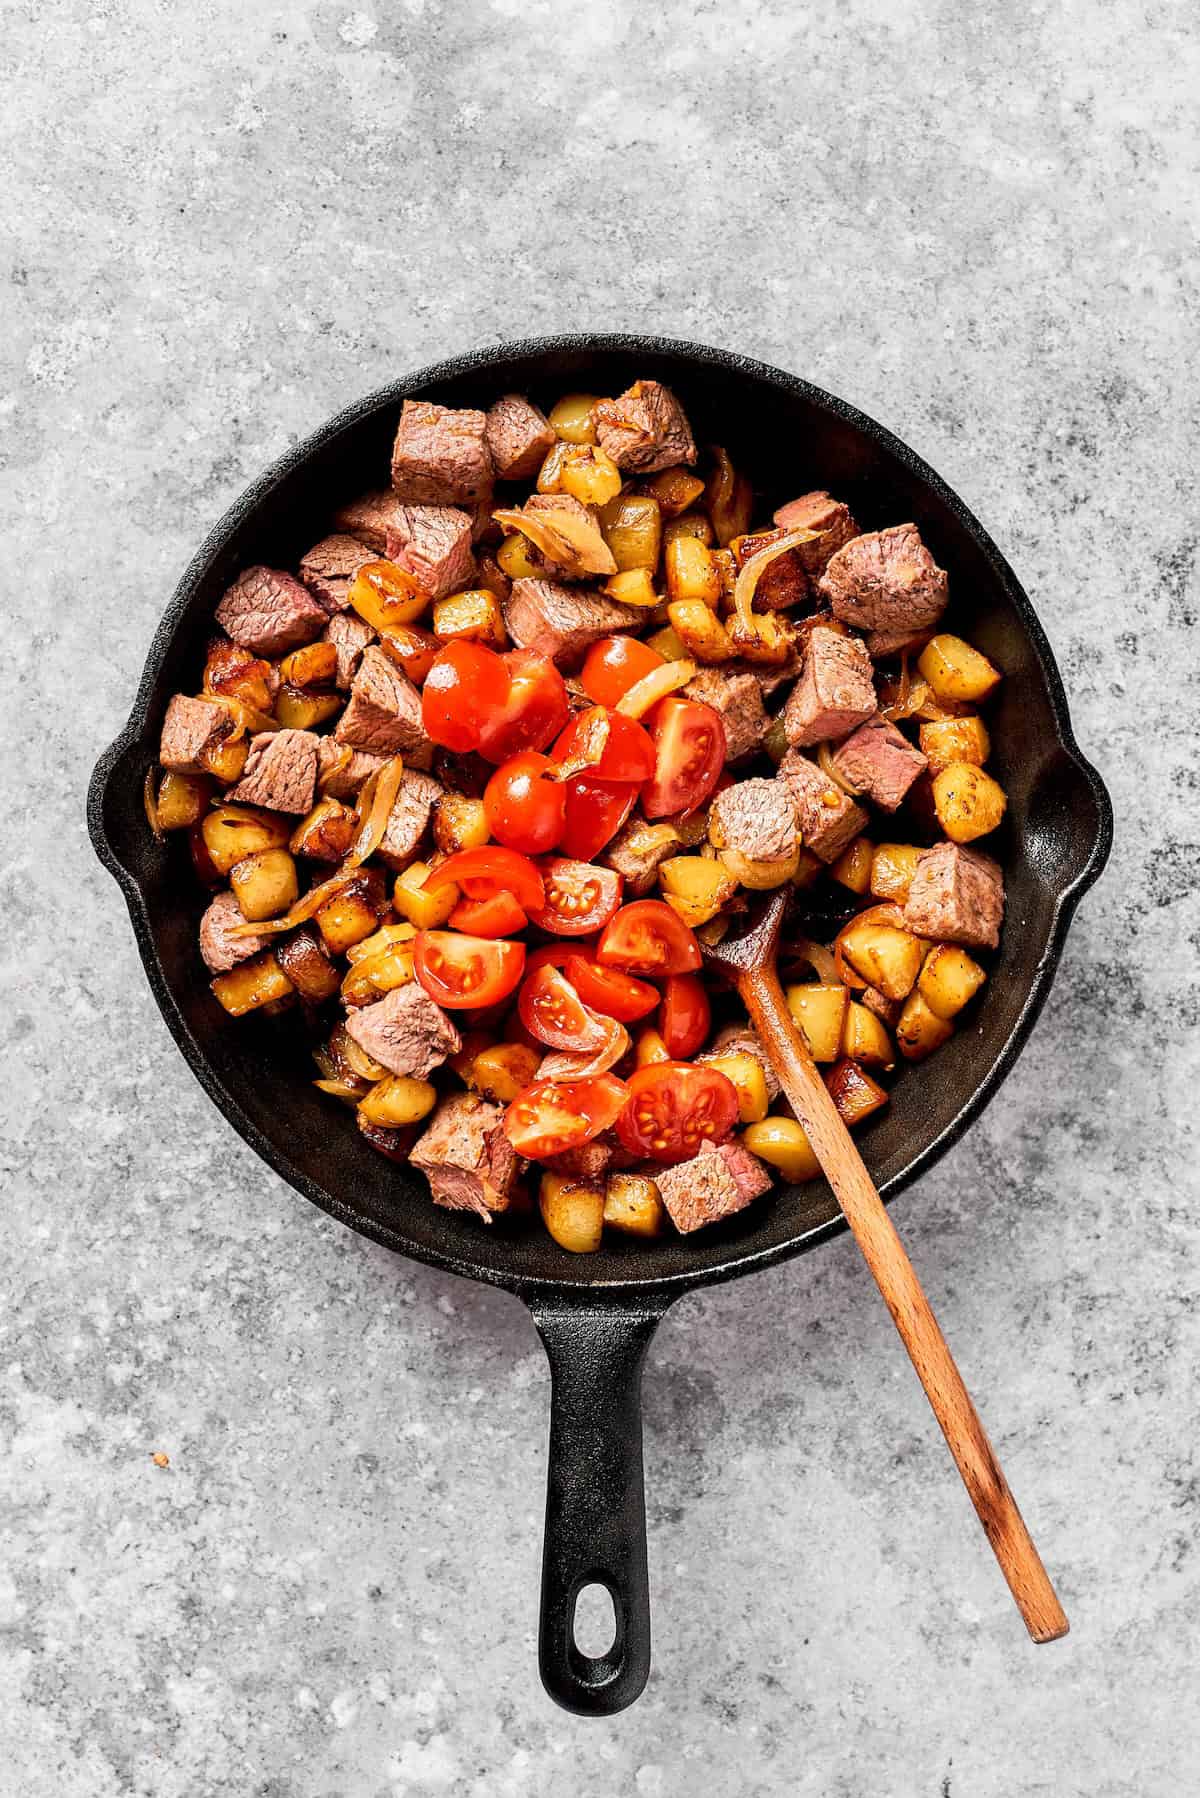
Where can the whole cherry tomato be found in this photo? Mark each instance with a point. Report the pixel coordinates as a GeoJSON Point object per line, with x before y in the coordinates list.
{"type": "Point", "coordinates": [524, 808]}
{"type": "Point", "coordinates": [614, 665]}
{"type": "Point", "coordinates": [465, 683]}
{"type": "Point", "coordinates": [533, 711]}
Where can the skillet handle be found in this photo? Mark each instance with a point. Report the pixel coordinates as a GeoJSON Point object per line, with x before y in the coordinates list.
{"type": "Point", "coordinates": [595, 1501]}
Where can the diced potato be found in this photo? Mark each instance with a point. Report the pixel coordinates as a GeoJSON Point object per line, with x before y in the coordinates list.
{"type": "Point", "coordinates": [236, 673]}
{"type": "Point", "coordinates": [820, 1012]}
{"type": "Point", "coordinates": [514, 556]}
{"type": "Point", "coordinates": [865, 1038]}
{"type": "Point", "coordinates": [571, 419]}
{"type": "Point", "coordinates": [298, 710]}
{"type": "Point", "coordinates": [650, 1047]}
{"type": "Point", "coordinates": [783, 1145]}
{"type": "Point", "coordinates": [883, 954]}
{"type": "Point", "coordinates": [633, 1206]}
{"type": "Point", "coordinates": [473, 616]}
{"type": "Point", "coordinates": [459, 822]}
{"type": "Point", "coordinates": [589, 475]}
{"type": "Point", "coordinates": [549, 478]}
{"type": "Point", "coordinates": [501, 1070]}
{"type": "Point", "coordinates": [750, 1083]}
{"type": "Point", "coordinates": [669, 645]}
{"type": "Point", "coordinates": [380, 939]}
{"type": "Point", "coordinates": [306, 964]}
{"type": "Point", "coordinates": [371, 976]}
{"type": "Point", "coordinates": [426, 910]}
{"type": "Point", "coordinates": [252, 984]}
{"type": "Point", "coordinates": [350, 915]}
{"type": "Point", "coordinates": [853, 866]}
{"type": "Point", "coordinates": [955, 671]}
{"type": "Point", "coordinates": [968, 802]}
{"type": "Point", "coordinates": [397, 1100]}
{"type": "Point", "coordinates": [768, 640]}
{"type": "Point", "coordinates": [760, 876]}
{"type": "Point", "coordinates": [920, 1031]}
{"type": "Point", "coordinates": [182, 800]}
{"type": "Point", "coordinates": [327, 832]}
{"type": "Point", "coordinates": [384, 595]}
{"type": "Point", "coordinates": [854, 1092]}
{"type": "Point", "coordinates": [631, 525]}
{"type": "Point", "coordinates": [691, 524]}
{"type": "Point", "coordinates": [412, 649]}
{"type": "Point", "coordinates": [632, 587]}
{"type": "Point", "coordinates": [225, 760]}
{"type": "Point", "coordinates": [949, 740]}
{"type": "Point", "coordinates": [700, 630]}
{"type": "Point", "coordinates": [313, 666]}
{"type": "Point", "coordinates": [691, 573]}
{"type": "Point", "coordinates": [949, 979]}
{"type": "Point", "coordinates": [232, 832]}
{"type": "Point", "coordinates": [265, 884]}
{"type": "Point", "coordinates": [573, 1212]}
{"type": "Point", "coordinates": [694, 888]}
{"type": "Point", "coordinates": [892, 868]}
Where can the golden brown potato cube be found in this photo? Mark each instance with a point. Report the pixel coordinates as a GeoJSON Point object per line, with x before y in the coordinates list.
{"type": "Point", "coordinates": [550, 473]}
{"type": "Point", "coordinates": [327, 832]}
{"type": "Point", "coordinates": [573, 1212]}
{"type": "Point", "coordinates": [632, 587]}
{"type": "Point", "coordinates": [695, 888]}
{"type": "Point", "coordinates": [892, 868]}
{"type": "Point", "coordinates": [691, 573]}
{"type": "Point", "coordinates": [884, 955]}
{"type": "Point", "coordinates": [235, 673]}
{"type": "Point", "coordinates": [398, 1099]}
{"type": "Point", "coordinates": [459, 822]}
{"type": "Point", "coordinates": [182, 800]}
{"type": "Point", "coordinates": [426, 910]}
{"type": "Point", "coordinates": [307, 965]}
{"type": "Point", "coordinates": [631, 525]}
{"type": "Point", "coordinates": [668, 644]}
{"type": "Point", "coordinates": [854, 1092]}
{"type": "Point", "coordinates": [226, 760]}
{"type": "Point", "coordinates": [700, 631]}
{"type": "Point", "coordinates": [820, 1014]}
{"type": "Point", "coordinates": [650, 1047]}
{"type": "Point", "coordinates": [385, 595]}
{"type": "Point", "coordinates": [783, 1145]}
{"type": "Point", "coordinates": [675, 489]}
{"type": "Point", "coordinates": [949, 740]}
{"type": "Point", "coordinates": [920, 1031]}
{"type": "Point", "coordinates": [949, 979]}
{"type": "Point", "coordinates": [502, 1070]}
{"type": "Point", "coordinates": [299, 710]}
{"type": "Point", "coordinates": [691, 524]}
{"type": "Point", "coordinates": [968, 802]}
{"type": "Point", "coordinates": [571, 419]}
{"type": "Point", "coordinates": [474, 617]}
{"type": "Point", "coordinates": [865, 1038]}
{"type": "Point", "coordinates": [313, 666]}
{"type": "Point", "coordinates": [383, 938]}
{"type": "Point", "coordinates": [760, 876]}
{"type": "Point", "coordinates": [350, 915]}
{"type": "Point", "coordinates": [514, 558]}
{"type": "Point", "coordinates": [232, 832]}
{"type": "Point", "coordinates": [633, 1206]}
{"type": "Point", "coordinates": [853, 866]}
{"type": "Point", "coordinates": [590, 475]}
{"type": "Point", "coordinates": [955, 671]}
{"type": "Point", "coordinates": [251, 985]}
{"type": "Point", "coordinates": [749, 1082]}
{"type": "Point", "coordinates": [265, 884]}
{"type": "Point", "coordinates": [768, 640]}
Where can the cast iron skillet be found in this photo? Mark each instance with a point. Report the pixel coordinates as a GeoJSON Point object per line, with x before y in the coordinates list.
{"type": "Point", "coordinates": [597, 1313]}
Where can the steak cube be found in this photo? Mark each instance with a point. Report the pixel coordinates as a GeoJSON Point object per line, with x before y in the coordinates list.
{"type": "Point", "coordinates": [519, 437]}
{"type": "Point", "coordinates": [562, 622]}
{"type": "Point", "coordinates": [405, 1031]}
{"type": "Point", "coordinates": [369, 518]}
{"type": "Point", "coordinates": [219, 947]}
{"type": "Point", "coordinates": [757, 819]}
{"type": "Point", "coordinates": [835, 691]}
{"type": "Point", "coordinates": [329, 567]}
{"type": "Point", "coordinates": [783, 582]}
{"type": "Point", "coordinates": [883, 644]}
{"type": "Point", "coordinates": [409, 818]}
{"type": "Point", "coordinates": [817, 511]}
{"type": "Point", "coordinates": [468, 1160]}
{"type": "Point", "coordinates": [880, 761]}
{"type": "Point", "coordinates": [433, 544]}
{"type": "Point", "coordinates": [280, 771]}
{"type": "Point", "coordinates": [738, 698]}
{"type": "Point", "coordinates": [350, 635]}
{"type": "Point", "coordinates": [956, 896]}
{"type": "Point", "coordinates": [886, 581]}
{"type": "Point", "coordinates": [341, 771]}
{"type": "Point", "coordinates": [189, 728]}
{"type": "Point", "coordinates": [716, 1183]}
{"type": "Point", "coordinates": [644, 428]}
{"type": "Point", "coordinates": [384, 713]}
{"type": "Point", "coordinates": [269, 612]}
{"type": "Point", "coordinates": [441, 456]}
{"type": "Point", "coordinates": [636, 851]}
{"type": "Point", "coordinates": [827, 817]}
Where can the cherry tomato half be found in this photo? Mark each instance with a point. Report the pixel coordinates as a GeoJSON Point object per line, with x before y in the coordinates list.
{"type": "Point", "coordinates": [647, 938]}
{"type": "Point", "coordinates": [608, 746]}
{"type": "Point", "coordinates": [551, 1116]}
{"type": "Point", "coordinates": [689, 742]}
{"type": "Point", "coordinates": [580, 898]}
{"type": "Point", "coordinates": [466, 683]}
{"type": "Point", "coordinates": [498, 916]}
{"type": "Point", "coordinates": [523, 808]}
{"type": "Point", "coordinates": [465, 973]}
{"type": "Point", "coordinates": [595, 813]}
{"type": "Point", "coordinates": [482, 873]}
{"type": "Point", "coordinates": [552, 1011]}
{"type": "Point", "coordinates": [673, 1107]}
{"type": "Point", "coordinates": [607, 990]}
{"type": "Point", "coordinates": [686, 1016]}
{"type": "Point", "coordinates": [614, 665]}
{"type": "Point", "coordinates": [532, 711]}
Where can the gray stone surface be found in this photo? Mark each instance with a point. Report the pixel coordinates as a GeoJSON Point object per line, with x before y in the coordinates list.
{"type": "Point", "coordinates": [224, 221]}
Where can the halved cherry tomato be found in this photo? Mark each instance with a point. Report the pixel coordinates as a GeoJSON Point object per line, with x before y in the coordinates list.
{"type": "Point", "coordinates": [532, 712]}
{"type": "Point", "coordinates": [607, 990]}
{"type": "Point", "coordinates": [673, 1107]}
{"type": "Point", "coordinates": [498, 916]}
{"type": "Point", "coordinates": [482, 873]}
{"type": "Point", "coordinates": [595, 813]}
{"type": "Point", "coordinates": [466, 684]}
{"type": "Point", "coordinates": [554, 955]}
{"type": "Point", "coordinates": [552, 1010]}
{"type": "Point", "coordinates": [580, 898]}
{"type": "Point", "coordinates": [647, 938]}
{"type": "Point", "coordinates": [689, 742]}
{"type": "Point", "coordinates": [523, 808]}
{"type": "Point", "coordinates": [614, 665]}
{"type": "Point", "coordinates": [607, 745]}
{"type": "Point", "coordinates": [551, 1116]}
{"type": "Point", "coordinates": [686, 1015]}
{"type": "Point", "coordinates": [465, 973]}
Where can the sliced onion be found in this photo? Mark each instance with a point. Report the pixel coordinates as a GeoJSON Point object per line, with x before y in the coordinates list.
{"type": "Point", "coordinates": [748, 576]}
{"type": "Point", "coordinates": [306, 907]}
{"type": "Point", "coordinates": [562, 536]}
{"type": "Point", "coordinates": [339, 1089]}
{"type": "Point", "coordinates": [819, 959]}
{"type": "Point", "coordinates": [655, 686]}
{"type": "Point", "coordinates": [150, 801]}
{"type": "Point", "coordinates": [345, 755]}
{"type": "Point", "coordinates": [826, 763]}
{"type": "Point", "coordinates": [373, 810]}
{"type": "Point", "coordinates": [560, 1065]}
{"type": "Point", "coordinates": [911, 695]}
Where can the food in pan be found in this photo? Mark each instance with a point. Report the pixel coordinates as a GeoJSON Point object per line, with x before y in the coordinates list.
{"type": "Point", "coordinates": [471, 787]}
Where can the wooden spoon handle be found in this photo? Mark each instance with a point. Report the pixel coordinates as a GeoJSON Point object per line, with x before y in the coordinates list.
{"type": "Point", "coordinates": [896, 1278]}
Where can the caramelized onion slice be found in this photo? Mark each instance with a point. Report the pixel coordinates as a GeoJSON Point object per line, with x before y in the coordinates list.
{"type": "Point", "coordinates": [562, 1065]}
{"type": "Point", "coordinates": [373, 809]}
{"type": "Point", "coordinates": [829, 769]}
{"type": "Point", "coordinates": [562, 537]}
{"type": "Point", "coordinates": [819, 959]}
{"type": "Point", "coordinates": [748, 576]}
{"type": "Point", "coordinates": [655, 686]}
{"type": "Point", "coordinates": [150, 802]}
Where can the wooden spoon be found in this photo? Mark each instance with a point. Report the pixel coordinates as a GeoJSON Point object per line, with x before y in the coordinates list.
{"type": "Point", "coordinates": [749, 962]}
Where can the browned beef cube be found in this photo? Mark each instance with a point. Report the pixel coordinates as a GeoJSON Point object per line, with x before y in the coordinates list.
{"type": "Point", "coordinates": [644, 428]}
{"type": "Point", "coordinates": [329, 567]}
{"type": "Point", "coordinates": [757, 819]}
{"type": "Point", "coordinates": [827, 817]}
{"type": "Point", "coordinates": [189, 728]}
{"type": "Point", "coordinates": [956, 896]}
{"type": "Point", "coordinates": [433, 544]}
{"type": "Point", "coordinates": [590, 1161]}
{"type": "Point", "coordinates": [884, 644]}
{"type": "Point", "coordinates": [716, 1183]}
{"type": "Point", "coordinates": [738, 698]}
{"type": "Point", "coordinates": [409, 818]}
{"type": "Point", "coordinates": [280, 771]}
{"type": "Point", "coordinates": [740, 1039]}
{"type": "Point", "coordinates": [519, 437]}
{"type": "Point", "coordinates": [562, 622]}
{"type": "Point", "coordinates": [636, 851]}
{"type": "Point", "coordinates": [441, 456]}
{"type": "Point", "coordinates": [886, 581]}
{"type": "Point", "coordinates": [369, 518]}
{"type": "Point", "coordinates": [384, 713]}
{"type": "Point", "coordinates": [342, 771]}
{"type": "Point", "coordinates": [218, 945]}
{"type": "Point", "coordinates": [405, 1031]}
{"type": "Point", "coordinates": [818, 511]}
{"type": "Point", "coordinates": [835, 691]}
{"type": "Point", "coordinates": [783, 582]}
{"type": "Point", "coordinates": [270, 612]}
{"type": "Point", "coordinates": [466, 1156]}
{"type": "Point", "coordinates": [880, 761]}
{"type": "Point", "coordinates": [350, 635]}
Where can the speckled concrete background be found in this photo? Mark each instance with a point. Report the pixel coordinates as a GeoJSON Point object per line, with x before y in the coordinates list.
{"type": "Point", "coordinates": [223, 221]}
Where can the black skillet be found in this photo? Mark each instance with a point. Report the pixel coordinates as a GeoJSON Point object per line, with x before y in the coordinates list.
{"type": "Point", "coordinates": [597, 1313]}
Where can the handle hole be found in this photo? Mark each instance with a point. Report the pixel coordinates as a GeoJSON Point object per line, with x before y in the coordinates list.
{"type": "Point", "coordinates": [594, 1622]}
